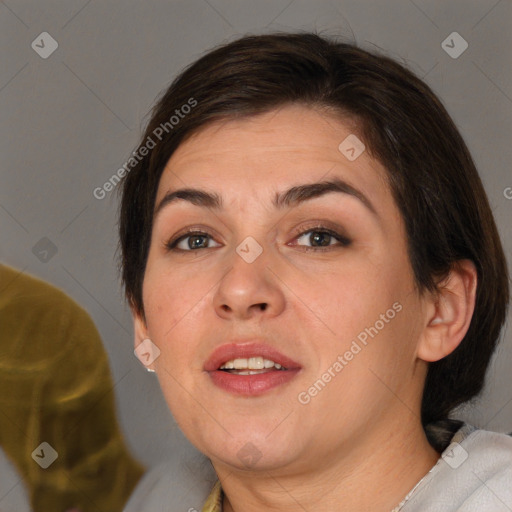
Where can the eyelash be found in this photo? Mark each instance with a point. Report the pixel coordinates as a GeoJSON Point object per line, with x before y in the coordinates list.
{"type": "Point", "coordinates": [343, 241]}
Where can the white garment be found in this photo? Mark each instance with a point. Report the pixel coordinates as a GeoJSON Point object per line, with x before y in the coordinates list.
{"type": "Point", "coordinates": [474, 474]}
{"type": "Point", "coordinates": [173, 487]}
{"type": "Point", "coordinates": [13, 496]}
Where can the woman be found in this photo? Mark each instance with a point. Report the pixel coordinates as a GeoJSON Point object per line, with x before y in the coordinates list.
{"type": "Point", "coordinates": [309, 252]}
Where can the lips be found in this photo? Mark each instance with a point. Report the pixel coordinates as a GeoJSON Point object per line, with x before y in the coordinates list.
{"type": "Point", "coordinates": [245, 350]}
{"type": "Point", "coordinates": [257, 383]}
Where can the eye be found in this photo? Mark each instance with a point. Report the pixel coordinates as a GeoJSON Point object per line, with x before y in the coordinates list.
{"type": "Point", "coordinates": [196, 240]}
{"type": "Point", "coordinates": [320, 238]}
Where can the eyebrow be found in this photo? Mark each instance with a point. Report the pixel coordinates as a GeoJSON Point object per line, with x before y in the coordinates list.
{"type": "Point", "coordinates": [287, 199]}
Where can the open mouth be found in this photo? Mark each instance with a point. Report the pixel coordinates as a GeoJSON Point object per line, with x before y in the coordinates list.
{"type": "Point", "coordinates": [251, 366]}
{"type": "Point", "coordinates": [250, 369]}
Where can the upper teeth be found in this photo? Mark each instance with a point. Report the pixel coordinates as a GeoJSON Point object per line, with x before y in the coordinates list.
{"type": "Point", "coordinates": [252, 363]}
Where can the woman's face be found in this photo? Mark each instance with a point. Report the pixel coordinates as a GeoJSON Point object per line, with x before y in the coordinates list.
{"type": "Point", "coordinates": [321, 282]}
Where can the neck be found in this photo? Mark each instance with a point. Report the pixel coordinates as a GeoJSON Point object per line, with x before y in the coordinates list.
{"type": "Point", "coordinates": [375, 475]}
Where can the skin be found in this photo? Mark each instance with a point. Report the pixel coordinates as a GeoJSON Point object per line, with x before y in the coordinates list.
{"type": "Point", "coordinates": [362, 432]}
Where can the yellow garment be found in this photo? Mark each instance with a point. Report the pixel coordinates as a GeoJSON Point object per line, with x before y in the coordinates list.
{"type": "Point", "coordinates": [55, 387]}
{"type": "Point", "coordinates": [214, 501]}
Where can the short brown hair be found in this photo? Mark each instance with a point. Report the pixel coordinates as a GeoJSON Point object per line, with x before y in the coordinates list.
{"type": "Point", "coordinates": [431, 174]}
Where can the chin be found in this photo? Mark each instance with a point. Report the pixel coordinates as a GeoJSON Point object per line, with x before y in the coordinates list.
{"type": "Point", "coordinates": [250, 457]}
{"type": "Point", "coordinates": [254, 450]}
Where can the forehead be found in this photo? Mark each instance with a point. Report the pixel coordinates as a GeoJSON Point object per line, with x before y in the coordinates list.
{"type": "Point", "coordinates": [257, 156]}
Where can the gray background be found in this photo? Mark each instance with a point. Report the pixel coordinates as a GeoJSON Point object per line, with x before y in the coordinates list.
{"type": "Point", "coordinates": [70, 121]}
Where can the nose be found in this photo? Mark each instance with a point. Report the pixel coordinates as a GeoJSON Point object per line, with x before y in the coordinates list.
{"type": "Point", "coordinates": [249, 289]}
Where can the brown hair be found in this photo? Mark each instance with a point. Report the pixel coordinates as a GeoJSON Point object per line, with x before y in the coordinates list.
{"type": "Point", "coordinates": [431, 174]}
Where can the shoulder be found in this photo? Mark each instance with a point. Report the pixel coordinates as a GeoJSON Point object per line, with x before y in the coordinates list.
{"type": "Point", "coordinates": [490, 450]}
{"type": "Point", "coordinates": [474, 473]}
{"type": "Point", "coordinates": [48, 342]}
{"type": "Point", "coordinates": [40, 320]}
{"type": "Point", "coordinates": [185, 484]}
{"type": "Point", "coordinates": [20, 290]}
{"type": "Point", "coordinates": [13, 489]}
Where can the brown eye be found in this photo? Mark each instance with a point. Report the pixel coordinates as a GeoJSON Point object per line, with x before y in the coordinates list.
{"type": "Point", "coordinates": [321, 237]}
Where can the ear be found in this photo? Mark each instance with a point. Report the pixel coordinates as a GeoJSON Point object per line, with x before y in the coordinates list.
{"type": "Point", "coordinates": [449, 312]}
{"type": "Point", "coordinates": [141, 335]}
{"type": "Point", "coordinates": [139, 327]}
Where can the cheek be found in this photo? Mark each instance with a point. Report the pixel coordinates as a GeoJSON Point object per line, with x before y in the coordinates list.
{"type": "Point", "coordinates": [368, 318]}
{"type": "Point", "coordinates": [169, 298]}
{"type": "Point", "coordinates": [344, 302]}
{"type": "Point", "coordinates": [371, 361]}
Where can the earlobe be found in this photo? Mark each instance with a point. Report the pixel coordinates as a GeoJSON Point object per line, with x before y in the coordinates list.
{"type": "Point", "coordinates": [144, 349]}
{"type": "Point", "coordinates": [449, 313]}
